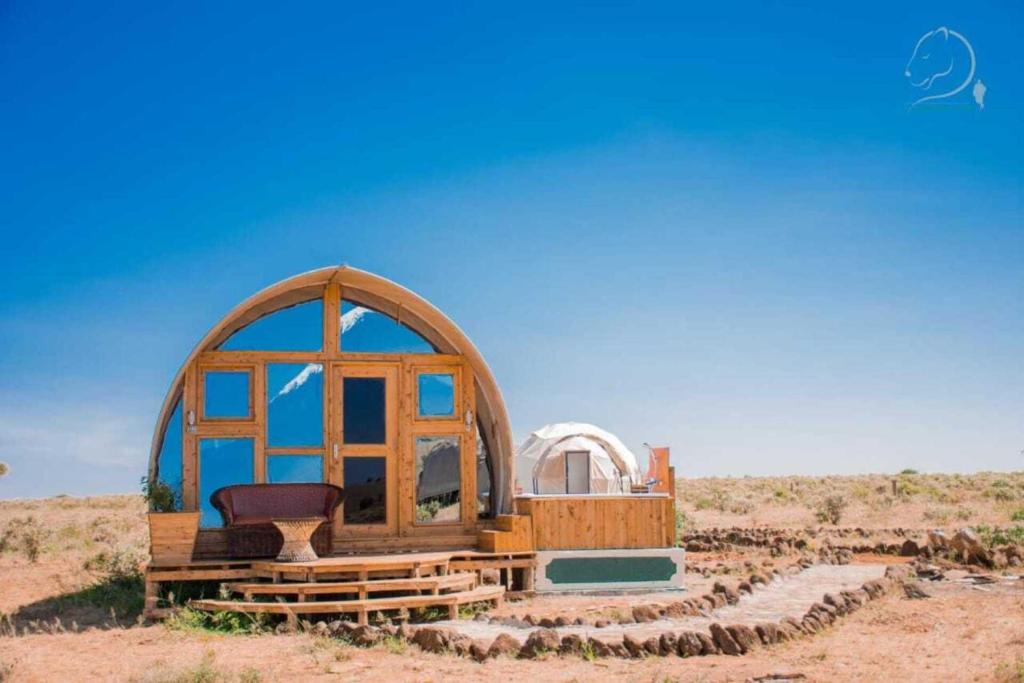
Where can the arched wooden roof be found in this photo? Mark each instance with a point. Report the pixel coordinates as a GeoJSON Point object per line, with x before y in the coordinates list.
{"type": "Point", "coordinates": [381, 294]}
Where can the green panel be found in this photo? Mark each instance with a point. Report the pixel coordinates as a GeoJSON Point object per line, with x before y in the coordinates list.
{"type": "Point", "coordinates": [609, 569]}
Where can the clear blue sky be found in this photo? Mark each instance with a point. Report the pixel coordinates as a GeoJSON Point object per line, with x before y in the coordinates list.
{"type": "Point", "coordinates": [720, 228]}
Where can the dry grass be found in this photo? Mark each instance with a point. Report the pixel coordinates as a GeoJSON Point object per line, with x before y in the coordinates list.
{"type": "Point", "coordinates": [908, 499]}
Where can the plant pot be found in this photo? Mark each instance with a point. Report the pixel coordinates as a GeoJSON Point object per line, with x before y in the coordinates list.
{"type": "Point", "coordinates": [172, 536]}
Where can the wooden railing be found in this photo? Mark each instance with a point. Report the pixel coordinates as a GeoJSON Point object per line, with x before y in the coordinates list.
{"type": "Point", "coordinates": [596, 522]}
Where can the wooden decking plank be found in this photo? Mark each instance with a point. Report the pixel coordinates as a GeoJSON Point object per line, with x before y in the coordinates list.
{"type": "Point", "coordinates": [480, 594]}
{"type": "Point", "coordinates": [327, 587]}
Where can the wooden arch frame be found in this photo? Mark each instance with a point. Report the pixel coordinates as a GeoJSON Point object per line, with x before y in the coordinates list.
{"type": "Point", "coordinates": [389, 298]}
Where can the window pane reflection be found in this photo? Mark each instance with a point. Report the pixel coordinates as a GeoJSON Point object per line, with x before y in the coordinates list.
{"type": "Point", "coordinates": [365, 491]}
{"type": "Point", "coordinates": [438, 479]}
{"type": "Point", "coordinates": [222, 462]}
{"type": "Point", "coordinates": [294, 469]}
{"type": "Point", "coordinates": [226, 394]}
{"type": "Point", "coordinates": [168, 466]}
{"type": "Point", "coordinates": [297, 328]}
{"type": "Point", "coordinates": [364, 416]}
{"type": "Point", "coordinates": [436, 395]}
{"type": "Point", "coordinates": [295, 393]}
{"type": "Point", "coordinates": [483, 475]}
{"type": "Point", "coordinates": [366, 330]}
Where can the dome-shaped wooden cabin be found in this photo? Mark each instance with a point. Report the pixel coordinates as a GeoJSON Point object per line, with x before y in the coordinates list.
{"type": "Point", "coordinates": [343, 382]}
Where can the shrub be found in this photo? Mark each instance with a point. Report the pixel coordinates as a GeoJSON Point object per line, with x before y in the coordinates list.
{"type": "Point", "coordinates": [4, 469]}
{"type": "Point", "coordinates": [831, 509]}
{"type": "Point", "coordinates": [160, 496]}
{"type": "Point", "coordinates": [1017, 515]}
{"type": "Point", "coordinates": [909, 471]}
{"type": "Point", "coordinates": [24, 534]}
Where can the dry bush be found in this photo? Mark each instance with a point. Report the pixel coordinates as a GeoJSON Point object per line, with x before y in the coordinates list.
{"type": "Point", "coordinates": [830, 510]}
{"type": "Point", "coordinates": [25, 535]}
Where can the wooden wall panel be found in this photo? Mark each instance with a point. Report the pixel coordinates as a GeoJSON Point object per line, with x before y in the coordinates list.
{"type": "Point", "coordinates": [599, 522]}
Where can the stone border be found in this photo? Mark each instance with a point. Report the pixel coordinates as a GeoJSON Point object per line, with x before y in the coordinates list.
{"type": "Point", "coordinates": [732, 639]}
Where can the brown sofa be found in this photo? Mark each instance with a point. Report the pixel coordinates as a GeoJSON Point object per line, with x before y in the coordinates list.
{"type": "Point", "coordinates": [247, 511]}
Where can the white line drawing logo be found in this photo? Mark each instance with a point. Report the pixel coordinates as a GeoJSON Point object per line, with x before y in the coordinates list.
{"type": "Point", "coordinates": [945, 59]}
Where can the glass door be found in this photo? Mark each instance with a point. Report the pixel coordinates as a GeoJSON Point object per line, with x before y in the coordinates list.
{"type": "Point", "coordinates": [364, 452]}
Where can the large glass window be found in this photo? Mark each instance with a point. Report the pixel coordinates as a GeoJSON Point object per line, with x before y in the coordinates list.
{"type": "Point", "coordinates": [438, 479]}
{"type": "Point", "coordinates": [169, 463]}
{"type": "Point", "coordinates": [365, 483]}
{"type": "Point", "coordinates": [295, 394]}
{"type": "Point", "coordinates": [222, 462]}
{"type": "Point", "coordinates": [364, 411]}
{"type": "Point", "coordinates": [294, 469]}
{"type": "Point", "coordinates": [297, 328]}
{"type": "Point", "coordinates": [366, 330]}
{"type": "Point", "coordinates": [436, 394]}
{"type": "Point", "coordinates": [226, 394]}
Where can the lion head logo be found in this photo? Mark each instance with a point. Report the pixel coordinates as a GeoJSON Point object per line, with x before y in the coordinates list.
{"type": "Point", "coordinates": [943, 64]}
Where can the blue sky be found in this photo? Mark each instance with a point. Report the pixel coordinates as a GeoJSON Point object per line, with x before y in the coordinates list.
{"type": "Point", "coordinates": [720, 228]}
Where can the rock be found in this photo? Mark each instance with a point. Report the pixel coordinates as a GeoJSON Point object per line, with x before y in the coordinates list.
{"type": "Point", "coordinates": [602, 623]}
{"type": "Point", "coordinates": [530, 619]}
{"type": "Point", "coordinates": [645, 613]}
{"type": "Point", "coordinates": [745, 587]}
{"type": "Point", "coordinates": [668, 643]}
{"type": "Point", "coordinates": [744, 636]}
{"type": "Point", "coordinates": [652, 646]}
{"type": "Point", "coordinates": [504, 644]}
{"type": "Point", "coordinates": [405, 631]}
{"type": "Point", "coordinates": [478, 651]}
{"type": "Point", "coordinates": [347, 627]}
{"type": "Point", "coordinates": [768, 633]}
{"type": "Point", "coordinates": [914, 591]}
{"type": "Point", "coordinates": [688, 644]}
{"type": "Point", "coordinates": [707, 644]}
{"type": "Point", "coordinates": [968, 546]}
{"type": "Point", "coordinates": [617, 649]}
{"type": "Point", "coordinates": [433, 638]}
{"type": "Point", "coordinates": [792, 625]}
{"type": "Point", "coordinates": [365, 636]}
{"type": "Point", "coordinates": [572, 644]}
{"type": "Point", "coordinates": [540, 641]}
{"type": "Point", "coordinates": [562, 621]}
{"type": "Point", "coordinates": [724, 640]}
{"type": "Point", "coordinates": [482, 618]}
{"type": "Point", "coordinates": [836, 601]}
{"type": "Point", "coordinates": [633, 645]}
{"type": "Point", "coordinates": [580, 621]}
{"type": "Point", "coordinates": [546, 622]}
{"type": "Point", "coordinates": [756, 578]}
{"type": "Point", "coordinates": [599, 647]}
{"type": "Point", "coordinates": [810, 624]}
{"type": "Point", "coordinates": [461, 645]}
{"type": "Point", "coordinates": [676, 610]}
{"type": "Point", "coordinates": [909, 549]}
{"type": "Point", "coordinates": [334, 627]}
{"type": "Point", "coordinates": [490, 577]}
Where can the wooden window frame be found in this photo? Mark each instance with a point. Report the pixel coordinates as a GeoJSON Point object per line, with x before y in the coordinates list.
{"type": "Point", "coordinates": [248, 369]}
{"type": "Point", "coordinates": [455, 370]}
{"type": "Point", "coordinates": [460, 522]}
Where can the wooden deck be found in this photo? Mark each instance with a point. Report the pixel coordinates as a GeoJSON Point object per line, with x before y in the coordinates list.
{"type": "Point", "coordinates": [358, 584]}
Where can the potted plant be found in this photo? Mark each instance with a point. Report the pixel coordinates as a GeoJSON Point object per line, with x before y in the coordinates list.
{"type": "Point", "coordinates": [172, 533]}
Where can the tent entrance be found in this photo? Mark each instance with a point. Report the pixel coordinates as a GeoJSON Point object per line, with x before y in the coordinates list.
{"type": "Point", "coordinates": [577, 472]}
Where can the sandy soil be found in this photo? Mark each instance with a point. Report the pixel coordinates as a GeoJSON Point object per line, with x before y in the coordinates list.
{"type": "Point", "coordinates": [959, 635]}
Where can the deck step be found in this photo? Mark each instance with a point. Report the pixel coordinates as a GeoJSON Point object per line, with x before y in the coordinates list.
{"type": "Point", "coordinates": [358, 607]}
{"type": "Point", "coordinates": [457, 581]}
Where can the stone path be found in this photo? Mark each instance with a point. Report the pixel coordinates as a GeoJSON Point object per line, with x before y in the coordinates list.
{"type": "Point", "coordinates": [785, 596]}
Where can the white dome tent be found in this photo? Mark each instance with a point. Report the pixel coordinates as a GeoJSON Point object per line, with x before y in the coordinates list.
{"type": "Point", "coordinates": [575, 458]}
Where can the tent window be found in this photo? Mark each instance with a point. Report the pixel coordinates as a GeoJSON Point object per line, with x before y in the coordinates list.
{"type": "Point", "coordinates": [364, 330]}
{"type": "Point", "coordinates": [436, 394]}
{"type": "Point", "coordinates": [438, 480]}
{"type": "Point", "coordinates": [297, 328]}
{"type": "Point", "coordinates": [577, 472]}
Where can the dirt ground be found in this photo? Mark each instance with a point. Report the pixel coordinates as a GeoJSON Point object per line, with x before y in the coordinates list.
{"type": "Point", "coordinates": [67, 563]}
{"type": "Point", "coordinates": [958, 635]}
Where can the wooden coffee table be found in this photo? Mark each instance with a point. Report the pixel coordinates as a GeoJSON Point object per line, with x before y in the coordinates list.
{"type": "Point", "coordinates": [297, 532]}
